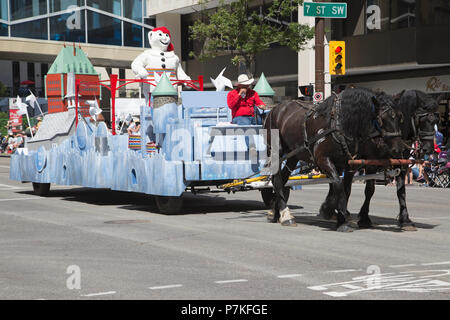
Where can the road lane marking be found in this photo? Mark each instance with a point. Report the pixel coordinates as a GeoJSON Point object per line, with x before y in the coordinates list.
{"type": "Point", "coordinates": [402, 265]}
{"type": "Point", "coordinates": [289, 275]}
{"type": "Point", "coordinates": [166, 287]}
{"type": "Point", "coordinates": [436, 263]}
{"type": "Point", "coordinates": [8, 186]}
{"type": "Point", "coordinates": [344, 270]}
{"type": "Point", "coordinates": [97, 294]}
{"type": "Point", "coordinates": [15, 199]}
{"type": "Point", "coordinates": [231, 281]}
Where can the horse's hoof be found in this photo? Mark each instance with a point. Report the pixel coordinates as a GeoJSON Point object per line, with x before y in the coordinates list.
{"type": "Point", "coordinates": [271, 217]}
{"type": "Point", "coordinates": [345, 228]}
{"type": "Point", "coordinates": [289, 223]}
{"type": "Point", "coordinates": [408, 227]}
{"type": "Point", "coordinates": [365, 224]}
{"type": "Point", "coordinates": [326, 212]}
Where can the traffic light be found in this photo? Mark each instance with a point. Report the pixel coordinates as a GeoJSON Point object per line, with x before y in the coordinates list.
{"type": "Point", "coordinates": [337, 57]}
{"type": "Point", "coordinates": [307, 91]}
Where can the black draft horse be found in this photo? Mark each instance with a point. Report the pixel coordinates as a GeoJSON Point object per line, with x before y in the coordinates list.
{"type": "Point", "coordinates": [327, 135]}
{"type": "Point", "coordinates": [418, 116]}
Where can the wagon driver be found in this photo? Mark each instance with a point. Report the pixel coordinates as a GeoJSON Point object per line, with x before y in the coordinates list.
{"type": "Point", "coordinates": [242, 101]}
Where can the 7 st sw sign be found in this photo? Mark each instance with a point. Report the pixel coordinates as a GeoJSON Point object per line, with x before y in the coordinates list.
{"type": "Point", "coordinates": [325, 9]}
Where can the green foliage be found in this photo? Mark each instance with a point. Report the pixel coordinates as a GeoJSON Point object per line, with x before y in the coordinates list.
{"type": "Point", "coordinates": [3, 90]}
{"type": "Point", "coordinates": [244, 33]}
{"type": "Point", "coordinates": [4, 117]}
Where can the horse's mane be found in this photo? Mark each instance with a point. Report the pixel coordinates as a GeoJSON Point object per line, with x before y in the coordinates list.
{"type": "Point", "coordinates": [356, 113]}
{"type": "Point", "coordinates": [410, 102]}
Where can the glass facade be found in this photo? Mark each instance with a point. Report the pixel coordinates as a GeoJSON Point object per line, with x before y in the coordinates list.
{"type": "Point", "coordinates": [4, 10]}
{"type": "Point", "coordinates": [383, 15]}
{"type": "Point", "coordinates": [111, 6]}
{"type": "Point", "coordinates": [132, 35]}
{"type": "Point", "coordinates": [110, 22]}
{"type": "Point", "coordinates": [132, 9]}
{"type": "Point", "coordinates": [35, 29]}
{"type": "Point", "coordinates": [60, 5]}
{"type": "Point", "coordinates": [27, 8]}
{"type": "Point", "coordinates": [104, 29]}
{"type": "Point", "coordinates": [3, 30]}
{"type": "Point", "coordinates": [65, 28]}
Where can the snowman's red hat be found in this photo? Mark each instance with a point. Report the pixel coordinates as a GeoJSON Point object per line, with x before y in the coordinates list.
{"type": "Point", "coordinates": [165, 30]}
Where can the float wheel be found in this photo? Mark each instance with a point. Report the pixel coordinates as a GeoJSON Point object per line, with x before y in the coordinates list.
{"type": "Point", "coordinates": [41, 189]}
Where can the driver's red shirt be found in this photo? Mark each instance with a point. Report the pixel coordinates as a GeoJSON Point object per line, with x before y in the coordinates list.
{"type": "Point", "coordinates": [243, 106]}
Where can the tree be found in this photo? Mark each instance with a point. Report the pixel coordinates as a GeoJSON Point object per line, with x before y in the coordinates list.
{"type": "Point", "coordinates": [3, 90]}
{"type": "Point", "coordinates": [243, 32]}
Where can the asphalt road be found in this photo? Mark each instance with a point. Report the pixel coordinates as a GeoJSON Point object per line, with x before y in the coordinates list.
{"type": "Point", "coordinates": [82, 243]}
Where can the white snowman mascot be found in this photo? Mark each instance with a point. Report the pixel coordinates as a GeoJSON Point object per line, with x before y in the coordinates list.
{"type": "Point", "coordinates": [152, 63]}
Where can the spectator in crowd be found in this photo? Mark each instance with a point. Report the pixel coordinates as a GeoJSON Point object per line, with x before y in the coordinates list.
{"type": "Point", "coordinates": [3, 144]}
{"type": "Point", "coordinates": [9, 127]}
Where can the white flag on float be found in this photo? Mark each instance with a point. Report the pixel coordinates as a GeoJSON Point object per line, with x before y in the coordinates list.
{"type": "Point", "coordinates": [221, 82]}
{"type": "Point", "coordinates": [31, 99]}
{"type": "Point", "coordinates": [23, 110]}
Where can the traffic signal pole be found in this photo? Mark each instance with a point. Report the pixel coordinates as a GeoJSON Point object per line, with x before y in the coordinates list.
{"type": "Point", "coordinates": [320, 54]}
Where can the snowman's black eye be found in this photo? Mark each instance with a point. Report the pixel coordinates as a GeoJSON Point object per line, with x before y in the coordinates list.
{"type": "Point", "coordinates": [160, 34]}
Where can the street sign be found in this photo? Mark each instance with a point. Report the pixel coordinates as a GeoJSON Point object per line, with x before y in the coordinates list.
{"type": "Point", "coordinates": [325, 9]}
{"type": "Point", "coordinates": [318, 96]}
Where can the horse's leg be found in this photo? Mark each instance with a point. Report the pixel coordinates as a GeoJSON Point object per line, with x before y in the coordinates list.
{"type": "Point", "coordinates": [348, 180]}
{"type": "Point", "coordinates": [403, 219]}
{"type": "Point", "coordinates": [364, 220]}
{"type": "Point", "coordinates": [330, 169]}
{"type": "Point", "coordinates": [280, 202]}
{"type": "Point", "coordinates": [326, 210]}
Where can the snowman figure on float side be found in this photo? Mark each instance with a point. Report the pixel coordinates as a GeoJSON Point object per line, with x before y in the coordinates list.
{"type": "Point", "coordinates": [160, 58]}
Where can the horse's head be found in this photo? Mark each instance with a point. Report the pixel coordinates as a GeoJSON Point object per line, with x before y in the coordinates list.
{"type": "Point", "coordinates": [423, 121]}
{"type": "Point", "coordinates": [387, 123]}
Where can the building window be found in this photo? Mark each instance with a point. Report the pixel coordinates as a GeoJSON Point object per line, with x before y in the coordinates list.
{"type": "Point", "coordinates": [68, 27]}
{"type": "Point", "coordinates": [403, 14]}
{"type": "Point", "coordinates": [122, 91]}
{"type": "Point", "coordinates": [132, 35]}
{"type": "Point", "coordinates": [27, 8]}
{"type": "Point", "coordinates": [4, 10]}
{"type": "Point", "coordinates": [132, 9]}
{"type": "Point", "coordinates": [3, 30]}
{"type": "Point", "coordinates": [36, 29]}
{"type": "Point", "coordinates": [146, 43]}
{"type": "Point", "coordinates": [104, 29]}
{"type": "Point", "coordinates": [16, 77]}
{"type": "Point", "coordinates": [31, 73]}
{"type": "Point", "coordinates": [61, 5]}
{"type": "Point", "coordinates": [112, 6]}
{"type": "Point", "coordinates": [44, 71]}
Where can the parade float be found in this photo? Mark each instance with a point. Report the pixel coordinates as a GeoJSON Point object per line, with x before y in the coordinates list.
{"type": "Point", "coordinates": [186, 140]}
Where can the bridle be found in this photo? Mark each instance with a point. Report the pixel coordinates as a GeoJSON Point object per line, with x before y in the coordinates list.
{"type": "Point", "coordinates": [415, 123]}
{"type": "Point", "coordinates": [378, 124]}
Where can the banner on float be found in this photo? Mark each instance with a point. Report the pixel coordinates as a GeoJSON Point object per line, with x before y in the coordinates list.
{"type": "Point", "coordinates": [14, 117]}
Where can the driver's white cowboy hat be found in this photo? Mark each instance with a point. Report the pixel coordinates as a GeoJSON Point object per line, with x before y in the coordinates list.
{"type": "Point", "coordinates": [243, 79]}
